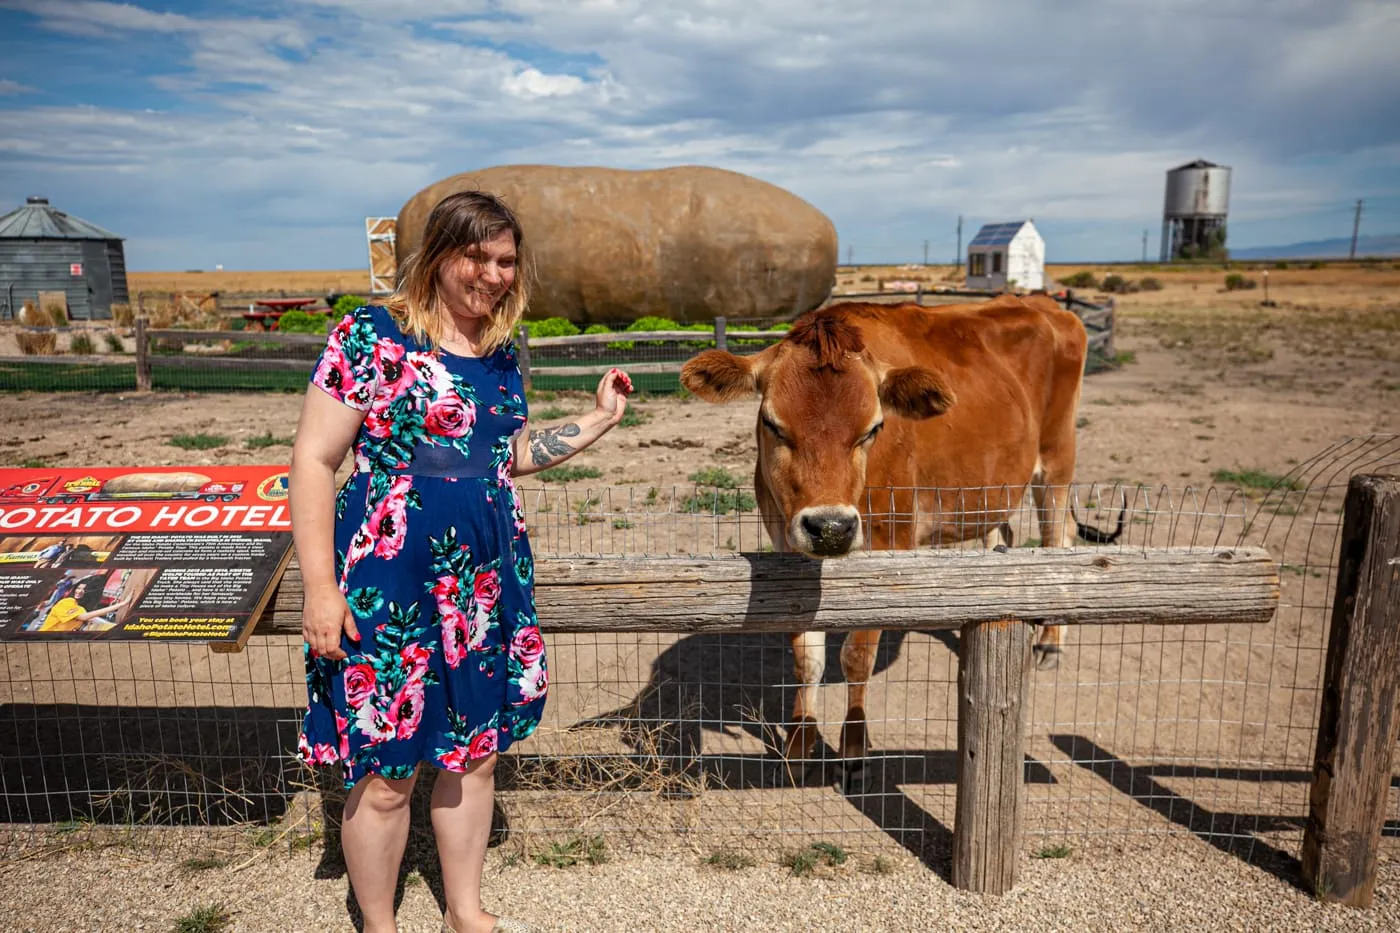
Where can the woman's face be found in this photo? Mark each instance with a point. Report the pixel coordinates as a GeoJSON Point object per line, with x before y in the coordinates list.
{"type": "Point", "coordinates": [473, 283]}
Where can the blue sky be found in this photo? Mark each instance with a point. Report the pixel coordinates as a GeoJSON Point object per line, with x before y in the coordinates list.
{"type": "Point", "coordinates": [258, 134]}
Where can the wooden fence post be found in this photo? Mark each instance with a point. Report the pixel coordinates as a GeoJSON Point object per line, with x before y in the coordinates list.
{"type": "Point", "coordinates": [522, 351]}
{"type": "Point", "coordinates": [919, 294]}
{"type": "Point", "coordinates": [1356, 730]}
{"type": "Point", "coordinates": [1109, 350]}
{"type": "Point", "coordinates": [143, 357]}
{"type": "Point", "coordinates": [721, 338]}
{"type": "Point", "coordinates": [994, 664]}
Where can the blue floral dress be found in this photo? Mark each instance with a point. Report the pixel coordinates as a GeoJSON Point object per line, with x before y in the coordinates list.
{"type": "Point", "coordinates": [433, 558]}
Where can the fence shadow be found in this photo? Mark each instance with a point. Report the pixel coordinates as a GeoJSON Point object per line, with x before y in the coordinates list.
{"type": "Point", "coordinates": [163, 766]}
{"type": "Point", "coordinates": [1237, 834]}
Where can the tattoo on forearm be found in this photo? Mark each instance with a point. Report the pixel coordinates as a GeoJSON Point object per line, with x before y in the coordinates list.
{"type": "Point", "coordinates": [548, 445]}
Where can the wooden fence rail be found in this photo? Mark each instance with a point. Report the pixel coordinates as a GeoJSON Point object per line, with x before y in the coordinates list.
{"type": "Point", "coordinates": [991, 596]}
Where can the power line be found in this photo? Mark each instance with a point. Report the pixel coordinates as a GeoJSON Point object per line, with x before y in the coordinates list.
{"type": "Point", "coordinates": [1355, 228]}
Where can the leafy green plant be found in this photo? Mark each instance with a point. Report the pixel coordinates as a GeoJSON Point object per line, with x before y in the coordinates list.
{"type": "Point", "coordinates": [114, 344]}
{"type": "Point", "coordinates": [1056, 851]}
{"type": "Point", "coordinates": [714, 476]}
{"type": "Point", "coordinates": [197, 441]}
{"type": "Point", "coordinates": [552, 327]}
{"type": "Point", "coordinates": [82, 345]}
{"type": "Point", "coordinates": [800, 862]}
{"type": "Point", "coordinates": [549, 414]}
{"type": "Point", "coordinates": [1255, 479]}
{"type": "Point", "coordinates": [569, 473]}
{"type": "Point", "coordinates": [730, 860]}
{"type": "Point", "coordinates": [346, 304]}
{"type": "Point", "coordinates": [1081, 279]}
{"type": "Point", "coordinates": [202, 863]}
{"type": "Point", "coordinates": [211, 918]}
{"type": "Point", "coordinates": [1235, 282]}
{"type": "Point", "coordinates": [1149, 284]}
{"type": "Point", "coordinates": [633, 417]}
{"type": "Point", "coordinates": [592, 850]}
{"type": "Point", "coordinates": [300, 322]}
{"type": "Point", "coordinates": [266, 439]}
{"type": "Point", "coordinates": [718, 502]}
{"type": "Point", "coordinates": [1116, 284]}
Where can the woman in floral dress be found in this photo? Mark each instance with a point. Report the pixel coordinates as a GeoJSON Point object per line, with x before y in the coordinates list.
{"type": "Point", "coordinates": [421, 638]}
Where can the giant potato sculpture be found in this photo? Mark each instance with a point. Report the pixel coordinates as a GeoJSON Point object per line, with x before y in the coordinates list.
{"type": "Point", "coordinates": [687, 243]}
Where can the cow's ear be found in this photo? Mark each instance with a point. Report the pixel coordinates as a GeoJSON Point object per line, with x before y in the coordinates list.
{"type": "Point", "coordinates": [916, 392]}
{"type": "Point", "coordinates": [720, 376]}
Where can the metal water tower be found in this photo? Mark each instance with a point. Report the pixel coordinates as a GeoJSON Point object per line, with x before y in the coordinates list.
{"type": "Point", "coordinates": [1193, 219]}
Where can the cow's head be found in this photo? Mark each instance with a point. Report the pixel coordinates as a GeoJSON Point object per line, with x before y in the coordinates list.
{"type": "Point", "coordinates": [824, 400]}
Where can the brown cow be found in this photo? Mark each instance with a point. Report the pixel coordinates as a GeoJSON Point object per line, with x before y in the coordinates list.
{"type": "Point", "coordinates": [899, 426]}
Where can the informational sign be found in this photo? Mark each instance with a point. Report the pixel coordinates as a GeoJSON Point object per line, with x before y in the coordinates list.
{"type": "Point", "coordinates": [75, 268]}
{"type": "Point", "coordinates": [146, 553]}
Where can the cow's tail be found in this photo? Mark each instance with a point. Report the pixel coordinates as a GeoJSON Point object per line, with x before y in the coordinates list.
{"type": "Point", "coordinates": [1094, 535]}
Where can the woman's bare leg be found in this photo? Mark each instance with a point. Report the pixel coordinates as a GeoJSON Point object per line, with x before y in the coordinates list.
{"type": "Point", "coordinates": [461, 811]}
{"type": "Point", "coordinates": [373, 838]}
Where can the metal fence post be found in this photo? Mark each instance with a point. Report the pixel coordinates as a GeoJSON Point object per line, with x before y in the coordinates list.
{"type": "Point", "coordinates": [721, 338]}
{"type": "Point", "coordinates": [1358, 721]}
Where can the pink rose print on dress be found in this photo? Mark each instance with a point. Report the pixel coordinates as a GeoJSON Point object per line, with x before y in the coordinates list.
{"type": "Point", "coordinates": [378, 422]}
{"type": "Point", "coordinates": [533, 683]}
{"type": "Point", "coordinates": [483, 744]}
{"type": "Point", "coordinates": [447, 593]}
{"type": "Point", "coordinates": [406, 709]}
{"type": "Point", "coordinates": [431, 371]}
{"type": "Point", "coordinates": [455, 760]}
{"type": "Point", "coordinates": [320, 754]}
{"type": "Point", "coordinates": [486, 591]}
{"type": "Point", "coordinates": [450, 416]}
{"type": "Point", "coordinates": [360, 682]}
{"type": "Point", "coordinates": [342, 729]}
{"type": "Point", "coordinates": [388, 522]}
{"type": "Point", "coordinates": [527, 646]}
{"type": "Point", "coordinates": [394, 373]}
{"type": "Point", "coordinates": [334, 372]}
{"type": "Point", "coordinates": [414, 658]}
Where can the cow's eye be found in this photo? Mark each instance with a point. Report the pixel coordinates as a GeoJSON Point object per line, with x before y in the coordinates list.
{"type": "Point", "coordinates": [776, 431]}
{"type": "Point", "coordinates": [869, 436]}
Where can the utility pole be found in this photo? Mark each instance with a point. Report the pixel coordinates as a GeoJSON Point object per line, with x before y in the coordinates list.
{"type": "Point", "coordinates": [1355, 228]}
{"type": "Point", "coordinates": [850, 252]}
{"type": "Point", "coordinates": [1144, 246]}
{"type": "Point", "coordinates": [958, 256]}
{"type": "Point", "coordinates": [925, 252]}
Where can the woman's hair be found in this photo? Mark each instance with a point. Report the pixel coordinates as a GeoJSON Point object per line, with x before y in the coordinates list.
{"type": "Point", "coordinates": [459, 222]}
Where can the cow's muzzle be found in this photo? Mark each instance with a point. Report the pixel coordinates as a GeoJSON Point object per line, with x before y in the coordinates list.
{"type": "Point", "coordinates": [825, 531]}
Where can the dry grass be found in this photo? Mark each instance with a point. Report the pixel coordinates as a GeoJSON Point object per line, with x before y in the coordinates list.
{"type": "Point", "coordinates": [37, 344]}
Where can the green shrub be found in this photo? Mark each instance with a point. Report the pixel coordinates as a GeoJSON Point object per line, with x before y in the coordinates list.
{"type": "Point", "coordinates": [1235, 282]}
{"type": "Point", "coordinates": [597, 329]}
{"type": "Point", "coordinates": [82, 345]}
{"type": "Point", "coordinates": [114, 344]}
{"type": "Point", "coordinates": [1081, 279]}
{"type": "Point", "coordinates": [1149, 284]}
{"type": "Point", "coordinates": [552, 327]}
{"type": "Point", "coordinates": [300, 322]}
{"type": "Point", "coordinates": [1280, 265]}
{"type": "Point", "coordinates": [346, 304]}
{"type": "Point", "coordinates": [1116, 284]}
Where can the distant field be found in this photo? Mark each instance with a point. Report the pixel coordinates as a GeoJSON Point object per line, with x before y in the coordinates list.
{"type": "Point", "coordinates": [308, 281]}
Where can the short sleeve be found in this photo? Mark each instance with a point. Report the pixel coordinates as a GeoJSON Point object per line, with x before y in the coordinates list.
{"type": "Point", "coordinates": [346, 370]}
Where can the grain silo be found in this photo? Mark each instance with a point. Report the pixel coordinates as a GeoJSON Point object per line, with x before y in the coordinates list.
{"type": "Point", "coordinates": [42, 249]}
{"type": "Point", "coordinates": [1193, 219]}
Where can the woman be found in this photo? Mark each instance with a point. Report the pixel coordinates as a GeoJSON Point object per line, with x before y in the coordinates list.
{"type": "Point", "coordinates": [421, 638]}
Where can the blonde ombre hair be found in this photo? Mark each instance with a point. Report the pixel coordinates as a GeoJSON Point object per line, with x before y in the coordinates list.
{"type": "Point", "coordinates": [459, 222]}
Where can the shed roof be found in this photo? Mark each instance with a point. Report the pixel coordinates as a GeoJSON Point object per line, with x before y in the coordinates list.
{"type": "Point", "coordinates": [36, 220]}
{"type": "Point", "coordinates": [997, 234]}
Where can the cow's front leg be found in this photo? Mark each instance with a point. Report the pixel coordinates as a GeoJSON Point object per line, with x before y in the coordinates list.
{"type": "Point", "coordinates": [809, 663]}
{"type": "Point", "coordinates": [857, 664]}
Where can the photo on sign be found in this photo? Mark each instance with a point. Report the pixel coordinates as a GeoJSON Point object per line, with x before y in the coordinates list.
{"type": "Point", "coordinates": [47, 552]}
{"type": "Point", "coordinates": [90, 601]}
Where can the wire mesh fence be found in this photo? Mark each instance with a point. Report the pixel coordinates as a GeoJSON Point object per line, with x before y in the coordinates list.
{"type": "Point", "coordinates": [664, 739]}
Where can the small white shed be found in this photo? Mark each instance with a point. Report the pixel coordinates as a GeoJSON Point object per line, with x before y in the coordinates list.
{"type": "Point", "coordinates": [1006, 256]}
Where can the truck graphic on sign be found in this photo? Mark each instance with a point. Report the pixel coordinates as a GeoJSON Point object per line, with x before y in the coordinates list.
{"type": "Point", "coordinates": [54, 490]}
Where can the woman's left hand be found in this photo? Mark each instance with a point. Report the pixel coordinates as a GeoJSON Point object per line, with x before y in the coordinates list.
{"type": "Point", "coordinates": [613, 390]}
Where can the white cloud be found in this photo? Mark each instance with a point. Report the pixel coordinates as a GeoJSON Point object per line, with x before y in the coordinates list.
{"type": "Point", "coordinates": [892, 119]}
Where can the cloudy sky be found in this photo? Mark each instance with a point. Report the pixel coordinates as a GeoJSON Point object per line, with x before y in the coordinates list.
{"type": "Point", "coordinates": [258, 134]}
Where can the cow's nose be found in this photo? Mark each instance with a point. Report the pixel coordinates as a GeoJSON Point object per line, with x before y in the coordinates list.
{"type": "Point", "coordinates": [830, 532]}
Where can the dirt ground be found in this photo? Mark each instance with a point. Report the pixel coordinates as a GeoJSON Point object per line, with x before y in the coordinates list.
{"type": "Point", "coordinates": [1204, 734]}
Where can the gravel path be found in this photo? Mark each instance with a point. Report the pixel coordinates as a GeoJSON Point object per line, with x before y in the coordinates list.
{"type": "Point", "coordinates": [1181, 884]}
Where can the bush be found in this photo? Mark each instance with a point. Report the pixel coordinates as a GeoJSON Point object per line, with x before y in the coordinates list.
{"type": "Point", "coordinates": [300, 322]}
{"type": "Point", "coordinates": [114, 344]}
{"type": "Point", "coordinates": [1235, 282]}
{"type": "Point", "coordinates": [346, 304]}
{"type": "Point", "coordinates": [1116, 284]}
{"type": "Point", "coordinates": [652, 323]}
{"type": "Point", "coordinates": [1315, 264]}
{"type": "Point", "coordinates": [82, 345]}
{"type": "Point", "coordinates": [1081, 279]}
{"type": "Point", "coordinates": [31, 344]}
{"type": "Point", "coordinates": [552, 327]}
{"type": "Point", "coordinates": [123, 315]}
{"type": "Point", "coordinates": [597, 329]}
{"type": "Point", "coordinates": [1149, 284]}
{"type": "Point", "coordinates": [1280, 265]}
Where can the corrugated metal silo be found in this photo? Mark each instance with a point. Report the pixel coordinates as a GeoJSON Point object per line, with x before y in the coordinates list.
{"type": "Point", "coordinates": [1194, 215]}
{"type": "Point", "coordinates": [42, 249]}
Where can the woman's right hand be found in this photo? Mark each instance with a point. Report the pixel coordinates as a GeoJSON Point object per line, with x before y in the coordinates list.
{"type": "Point", "coordinates": [325, 615]}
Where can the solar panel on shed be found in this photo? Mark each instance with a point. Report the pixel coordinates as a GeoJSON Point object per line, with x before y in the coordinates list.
{"type": "Point", "coordinates": [996, 234]}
